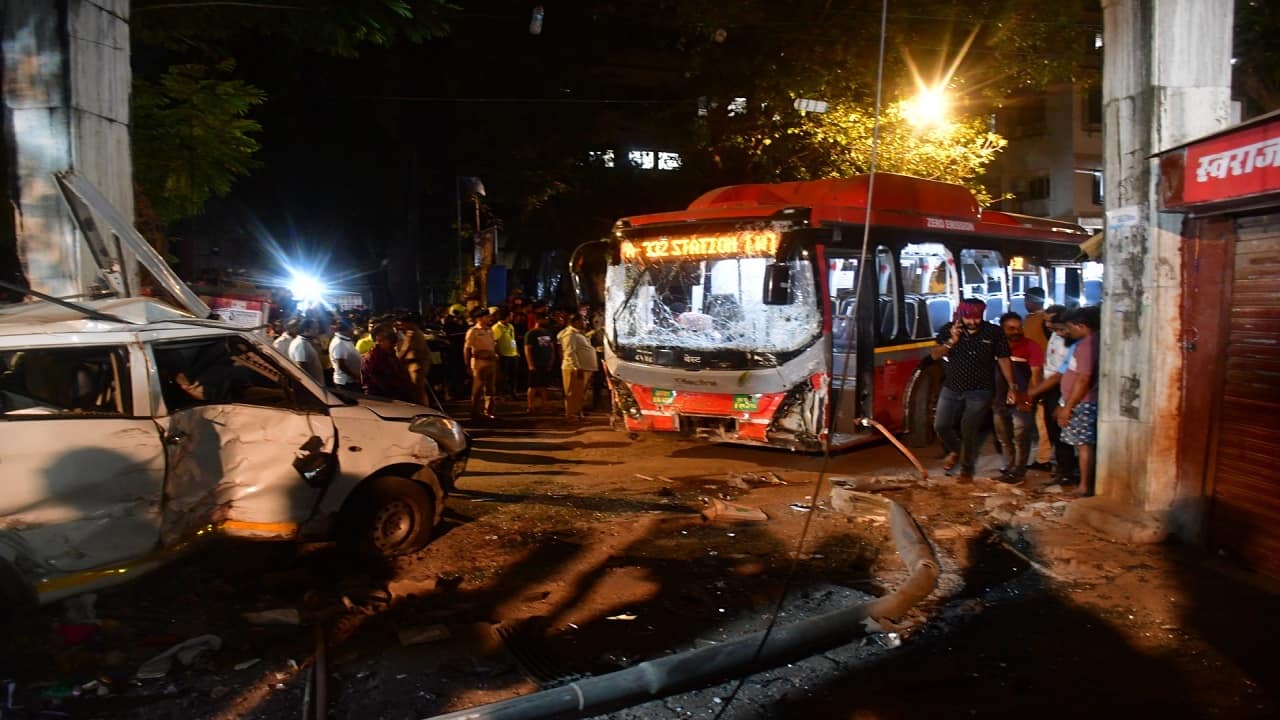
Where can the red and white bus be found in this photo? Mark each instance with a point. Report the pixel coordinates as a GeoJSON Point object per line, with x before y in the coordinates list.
{"type": "Point", "coordinates": [745, 318]}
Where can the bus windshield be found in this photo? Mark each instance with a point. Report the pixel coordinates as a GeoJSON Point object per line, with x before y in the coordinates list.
{"type": "Point", "coordinates": [709, 304]}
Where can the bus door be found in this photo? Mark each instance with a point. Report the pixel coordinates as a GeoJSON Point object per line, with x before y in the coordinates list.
{"type": "Point", "coordinates": [842, 289]}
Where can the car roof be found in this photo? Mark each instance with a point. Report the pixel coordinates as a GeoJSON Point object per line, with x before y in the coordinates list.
{"type": "Point", "coordinates": [135, 314]}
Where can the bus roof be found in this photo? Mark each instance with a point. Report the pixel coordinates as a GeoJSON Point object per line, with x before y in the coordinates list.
{"type": "Point", "coordinates": [899, 201]}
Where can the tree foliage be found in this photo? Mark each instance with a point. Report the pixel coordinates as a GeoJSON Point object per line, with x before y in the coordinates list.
{"type": "Point", "coordinates": [192, 136]}
{"type": "Point", "coordinates": [955, 152]}
{"type": "Point", "coordinates": [774, 53]}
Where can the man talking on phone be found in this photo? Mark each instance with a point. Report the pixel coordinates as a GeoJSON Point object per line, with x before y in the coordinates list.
{"type": "Point", "coordinates": [971, 350]}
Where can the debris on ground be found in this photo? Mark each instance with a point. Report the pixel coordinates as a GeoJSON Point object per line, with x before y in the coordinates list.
{"type": "Point", "coordinates": [718, 510]}
{"type": "Point", "coordinates": [748, 480]}
{"type": "Point", "coordinates": [186, 653]}
{"type": "Point", "coordinates": [424, 634]}
{"type": "Point", "coordinates": [277, 616]}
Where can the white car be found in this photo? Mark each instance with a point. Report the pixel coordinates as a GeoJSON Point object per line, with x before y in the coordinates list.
{"type": "Point", "coordinates": [122, 440]}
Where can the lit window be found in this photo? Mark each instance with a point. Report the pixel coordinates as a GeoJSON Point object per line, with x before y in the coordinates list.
{"type": "Point", "coordinates": [737, 107]}
{"type": "Point", "coordinates": [703, 106]}
{"type": "Point", "coordinates": [602, 158]}
{"type": "Point", "coordinates": [669, 161]}
{"type": "Point", "coordinates": [1097, 41]}
{"type": "Point", "coordinates": [642, 159]}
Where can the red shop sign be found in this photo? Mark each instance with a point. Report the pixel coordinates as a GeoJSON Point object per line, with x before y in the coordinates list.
{"type": "Point", "coordinates": [1236, 165]}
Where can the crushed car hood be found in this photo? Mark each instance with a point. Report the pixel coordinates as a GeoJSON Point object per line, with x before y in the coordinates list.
{"type": "Point", "coordinates": [396, 409]}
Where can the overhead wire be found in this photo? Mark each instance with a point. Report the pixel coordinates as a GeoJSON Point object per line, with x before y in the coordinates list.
{"type": "Point", "coordinates": [826, 453]}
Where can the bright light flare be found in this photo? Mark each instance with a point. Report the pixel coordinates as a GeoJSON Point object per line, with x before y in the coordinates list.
{"type": "Point", "coordinates": [928, 109]}
{"type": "Point", "coordinates": [306, 289]}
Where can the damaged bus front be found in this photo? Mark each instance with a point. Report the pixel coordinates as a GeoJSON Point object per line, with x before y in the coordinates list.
{"type": "Point", "coordinates": [716, 331]}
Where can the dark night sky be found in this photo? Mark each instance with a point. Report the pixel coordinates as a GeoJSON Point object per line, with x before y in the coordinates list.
{"type": "Point", "coordinates": [359, 157]}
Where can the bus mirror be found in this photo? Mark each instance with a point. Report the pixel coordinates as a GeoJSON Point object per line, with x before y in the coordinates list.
{"type": "Point", "coordinates": [777, 284]}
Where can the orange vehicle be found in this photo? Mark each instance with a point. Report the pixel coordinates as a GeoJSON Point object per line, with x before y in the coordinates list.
{"type": "Point", "coordinates": [747, 318]}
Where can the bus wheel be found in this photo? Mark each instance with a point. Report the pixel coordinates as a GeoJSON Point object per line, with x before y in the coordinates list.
{"type": "Point", "coordinates": [924, 403]}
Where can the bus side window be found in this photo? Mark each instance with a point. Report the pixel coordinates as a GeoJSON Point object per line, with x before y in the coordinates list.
{"type": "Point", "coordinates": [887, 290]}
{"type": "Point", "coordinates": [927, 289]}
{"type": "Point", "coordinates": [983, 275]}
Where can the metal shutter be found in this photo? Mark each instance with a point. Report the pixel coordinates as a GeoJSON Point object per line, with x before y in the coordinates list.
{"type": "Point", "coordinates": [1245, 512]}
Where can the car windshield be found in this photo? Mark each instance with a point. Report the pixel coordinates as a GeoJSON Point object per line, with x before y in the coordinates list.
{"type": "Point", "coordinates": [711, 304]}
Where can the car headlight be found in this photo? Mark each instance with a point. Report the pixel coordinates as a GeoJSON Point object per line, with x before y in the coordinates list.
{"type": "Point", "coordinates": [446, 431]}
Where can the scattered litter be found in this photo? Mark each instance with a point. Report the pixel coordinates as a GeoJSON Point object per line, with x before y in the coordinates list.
{"type": "Point", "coordinates": [747, 480]}
{"type": "Point", "coordinates": [665, 479]}
{"type": "Point", "coordinates": [1051, 489]}
{"type": "Point", "coordinates": [423, 634]}
{"type": "Point", "coordinates": [890, 640]}
{"type": "Point", "coordinates": [644, 477]}
{"type": "Point", "coordinates": [719, 510]}
{"type": "Point", "coordinates": [185, 652]}
{"type": "Point", "coordinates": [246, 664]}
{"type": "Point", "coordinates": [801, 507]}
{"type": "Point", "coordinates": [278, 616]}
{"type": "Point", "coordinates": [873, 483]}
{"type": "Point", "coordinates": [998, 501]}
{"type": "Point", "coordinates": [623, 616]}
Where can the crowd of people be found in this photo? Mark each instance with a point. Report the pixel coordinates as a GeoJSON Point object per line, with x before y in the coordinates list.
{"type": "Point", "coordinates": [1032, 378]}
{"type": "Point", "coordinates": [457, 352]}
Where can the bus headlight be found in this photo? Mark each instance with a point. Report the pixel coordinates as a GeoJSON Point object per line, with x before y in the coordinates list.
{"type": "Point", "coordinates": [446, 431]}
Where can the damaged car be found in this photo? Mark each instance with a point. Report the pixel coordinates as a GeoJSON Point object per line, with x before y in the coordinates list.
{"type": "Point", "coordinates": [129, 429]}
{"type": "Point", "coordinates": [124, 440]}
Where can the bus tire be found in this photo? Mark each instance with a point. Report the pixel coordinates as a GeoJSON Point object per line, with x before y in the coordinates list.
{"type": "Point", "coordinates": [922, 403]}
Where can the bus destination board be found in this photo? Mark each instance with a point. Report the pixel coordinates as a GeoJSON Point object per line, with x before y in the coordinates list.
{"type": "Point", "coordinates": [744, 243]}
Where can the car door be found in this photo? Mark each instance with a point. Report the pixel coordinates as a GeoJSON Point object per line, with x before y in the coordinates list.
{"type": "Point", "coordinates": [242, 432]}
{"type": "Point", "coordinates": [82, 460]}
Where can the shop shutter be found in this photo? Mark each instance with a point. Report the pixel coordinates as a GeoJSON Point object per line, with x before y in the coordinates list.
{"type": "Point", "coordinates": [1245, 513]}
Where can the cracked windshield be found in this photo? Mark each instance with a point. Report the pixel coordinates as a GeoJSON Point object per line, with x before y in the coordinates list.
{"type": "Point", "coordinates": [710, 304]}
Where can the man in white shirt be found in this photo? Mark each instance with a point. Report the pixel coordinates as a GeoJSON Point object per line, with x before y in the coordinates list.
{"type": "Point", "coordinates": [345, 358]}
{"type": "Point", "coordinates": [302, 352]}
{"type": "Point", "coordinates": [1065, 467]}
{"type": "Point", "coordinates": [282, 342]}
{"type": "Point", "coordinates": [577, 366]}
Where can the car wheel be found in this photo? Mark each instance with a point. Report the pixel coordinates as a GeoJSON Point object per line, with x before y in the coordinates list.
{"type": "Point", "coordinates": [393, 516]}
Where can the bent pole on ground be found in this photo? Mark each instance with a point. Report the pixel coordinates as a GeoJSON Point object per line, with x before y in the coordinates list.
{"type": "Point", "coordinates": [924, 474]}
{"type": "Point", "coordinates": [707, 666]}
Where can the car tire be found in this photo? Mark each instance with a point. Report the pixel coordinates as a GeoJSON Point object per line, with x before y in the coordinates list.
{"type": "Point", "coordinates": [392, 516]}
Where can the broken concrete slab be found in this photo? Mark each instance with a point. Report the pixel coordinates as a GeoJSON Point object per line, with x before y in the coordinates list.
{"type": "Point", "coordinates": [1117, 521]}
{"type": "Point", "coordinates": [718, 510]}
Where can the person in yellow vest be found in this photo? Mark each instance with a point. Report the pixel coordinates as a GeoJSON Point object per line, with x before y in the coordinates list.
{"type": "Point", "coordinates": [504, 335]}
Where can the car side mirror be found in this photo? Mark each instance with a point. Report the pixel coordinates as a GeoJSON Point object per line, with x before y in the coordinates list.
{"type": "Point", "coordinates": [777, 284]}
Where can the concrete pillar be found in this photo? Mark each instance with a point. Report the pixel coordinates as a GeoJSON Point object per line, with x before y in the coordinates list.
{"type": "Point", "coordinates": [1166, 80]}
{"type": "Point", "coordinates": [66, 106]}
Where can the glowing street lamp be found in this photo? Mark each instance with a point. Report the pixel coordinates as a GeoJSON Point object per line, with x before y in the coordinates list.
{"type": "Point", "coordinates": [928, 109]}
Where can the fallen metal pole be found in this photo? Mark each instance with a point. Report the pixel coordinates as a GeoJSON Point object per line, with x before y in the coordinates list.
{"type": "Point", "coordinates": [709, 665]}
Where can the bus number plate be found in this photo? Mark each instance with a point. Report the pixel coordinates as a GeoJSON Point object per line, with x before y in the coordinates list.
{"type": "Point", "coordinates": [663, 397]}
{"type": "Point", "coordinates": [746, 403]}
